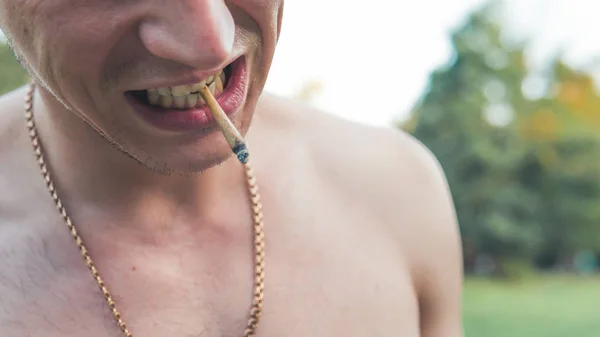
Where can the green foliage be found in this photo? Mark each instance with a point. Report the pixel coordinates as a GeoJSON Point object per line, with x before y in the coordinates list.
{"type": "Point", "coordinates": [519, 168]}
{"type": "Point", "coordinates": [12, 75]}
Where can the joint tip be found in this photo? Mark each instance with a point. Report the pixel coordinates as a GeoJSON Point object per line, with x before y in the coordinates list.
{"type": "Point", "coordinates": [241, 151]}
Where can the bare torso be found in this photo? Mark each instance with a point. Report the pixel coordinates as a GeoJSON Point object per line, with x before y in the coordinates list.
{"type": "Point", "coordinates": [343, 247]}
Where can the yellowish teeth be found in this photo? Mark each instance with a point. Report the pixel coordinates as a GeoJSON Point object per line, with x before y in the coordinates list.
{"type": "Point", "coordinates": [218, 84]}
{"type": "Point", "coordinates": [186, 96]}
{"type": "Point", "coordinates": [180, 90]}
{"type": "Point", "coordinates": [153, 97]}
{"type": "Point", "coordinates": [179, 101]}
{"type": "Point", "coordinates": [191, 100]}
{"type": "Point", "coordinates": [196, 87]}
{"type": "Point", "coordinates": [166, 101]}
{"type": "Point", "coordinates": [164, 91]}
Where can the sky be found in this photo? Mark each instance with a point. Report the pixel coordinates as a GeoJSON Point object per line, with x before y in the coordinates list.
{"type": "Point", "coordinates": [374, 57]}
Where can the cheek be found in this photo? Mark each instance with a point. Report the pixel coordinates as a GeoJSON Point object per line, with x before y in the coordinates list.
{"type": "Point", "coordinates": [23, 22]}
{"type": "Point", "coordinates": [263, 14]}
{"type": "Point", "coordinates": [16, 20]}
{"type": "Point", "coordinates": [45, 29]}
{"type": "Point", "coordinates": [279, 19]}
{"type": "Point", "coordinates": [260, 20]}
{"type": "Point", "coordinates": [66, 46]}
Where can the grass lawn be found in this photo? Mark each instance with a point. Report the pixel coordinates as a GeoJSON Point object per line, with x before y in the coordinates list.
{"type": "Point", "coordinates": [550, 306]}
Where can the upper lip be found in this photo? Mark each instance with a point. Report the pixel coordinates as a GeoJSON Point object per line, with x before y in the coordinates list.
{"type": "Point", "coordinates": [188, 78]}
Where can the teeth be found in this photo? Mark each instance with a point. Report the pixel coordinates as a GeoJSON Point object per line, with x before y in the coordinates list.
{"type": "Point", "coordinates": [153, 97]}
{"type": "Point", "coordinates": [186, 96]}
{"type": "Point", "coordinates": [196, 87]}
{"type": "Point", "coordinates": [180, 90]}
{"type": "Point", "coordinates": [191, 100]}
{"type": "Point", "coordinates": [219, 84]}
{"type": "Point", "coordinates": [179, 101]}
{"type": "Point", "coordinates": [166, 101]}
{"type": "Point", "coordinates": [164, 91]}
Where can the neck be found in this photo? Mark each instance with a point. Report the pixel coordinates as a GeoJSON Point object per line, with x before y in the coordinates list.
{"type": "Point", "coordinates": [96, 181]}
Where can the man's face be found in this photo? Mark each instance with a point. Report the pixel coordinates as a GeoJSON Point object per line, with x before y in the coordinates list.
{"type": "Point", "coordinates": [115, 64]}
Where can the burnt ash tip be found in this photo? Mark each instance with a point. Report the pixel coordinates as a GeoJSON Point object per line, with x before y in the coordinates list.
{"type": "Point", "coordinates": [241, 151]}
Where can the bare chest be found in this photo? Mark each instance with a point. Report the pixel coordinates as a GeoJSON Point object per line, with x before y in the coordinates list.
{"type": "Point", "coordinates": [322, 279]}
{"type": "Point", "coordinates": [317, 307]}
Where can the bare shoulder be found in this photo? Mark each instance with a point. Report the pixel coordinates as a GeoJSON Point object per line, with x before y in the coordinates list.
{"type": "Point", "coordinates": [11, 116]}
{"type": "Point", "coordinates": [383, 168]}
{"type": "Point", "coordinates": [12, 123]}
{"type": "Point", "coordinates": [13, 139]}
{"type": "Point", "coordinates": [403, 187]}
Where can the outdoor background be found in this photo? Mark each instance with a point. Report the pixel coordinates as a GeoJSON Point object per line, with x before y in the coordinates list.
{"type": "Point", "coordinates": [505, 94]}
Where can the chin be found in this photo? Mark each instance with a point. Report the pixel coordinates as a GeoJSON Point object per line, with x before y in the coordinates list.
{"type": "Point", "coordinates": [189, 156]}
{"type": "Point", "coordinates": [185, 166]}
{"type": "Point", "coordinates": [192, 166]}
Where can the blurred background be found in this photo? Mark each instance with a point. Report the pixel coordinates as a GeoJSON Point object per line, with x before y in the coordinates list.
{"type": "Point", "coordinates": [505, 95]}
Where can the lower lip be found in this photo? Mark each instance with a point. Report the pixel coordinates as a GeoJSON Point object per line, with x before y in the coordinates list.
{"type": "Point", "coordinates": [230, 100]}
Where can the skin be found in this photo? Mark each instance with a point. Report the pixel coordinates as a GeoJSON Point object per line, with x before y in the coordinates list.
{"type": "Point", "coordinates": [360, 229]}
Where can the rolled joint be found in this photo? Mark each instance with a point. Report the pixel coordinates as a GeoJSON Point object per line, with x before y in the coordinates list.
{"type": "Point", "coordinates": [232, 135]}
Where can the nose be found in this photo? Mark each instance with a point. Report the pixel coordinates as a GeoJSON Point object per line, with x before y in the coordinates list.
{"type": "Point", "coordinates": [197, 33]}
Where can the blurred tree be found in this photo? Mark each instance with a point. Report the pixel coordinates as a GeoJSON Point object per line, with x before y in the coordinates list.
{"type": "Point", "coordinates": [518, 167]}
{"type": "Point", "coordinates": [570, 188]}
{"type": "Point", "coordinates": [465, 118]}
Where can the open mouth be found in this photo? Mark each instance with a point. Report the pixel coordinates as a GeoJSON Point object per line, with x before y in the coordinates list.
{"type": "Point", "coordinates": [181, 108]}
{"type": "Point", "coordinates": [183, 97]}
